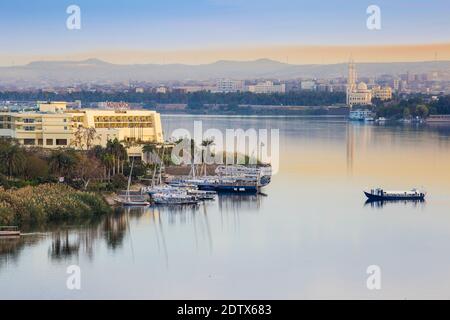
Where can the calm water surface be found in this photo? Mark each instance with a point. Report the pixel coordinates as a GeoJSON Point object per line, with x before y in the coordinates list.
{"type": "Point", "coordinates": [310, 236]}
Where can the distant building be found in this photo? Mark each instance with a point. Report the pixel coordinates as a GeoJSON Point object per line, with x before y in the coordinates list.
{"type": "Point", "coordinates": [357, 94]}
{"type": "Point", "coordinates": [360, 94]}
{"type": "Point", "coordinates": [162, 89]}
{"type": "Point", "coordinates": [191, 89]}
{"type": "Point", "coordinates": [227, 85]}
{"type": "Point", "coordinates": [382, 93]}
{"type": "Point", "coordinates": [139, 90]}
{"type": "Point", "coordinates": [307, 85]}
{"type": "Point", "coordinates": [267, 87]}
{"type": "Point", "coordinates": [396, 84]}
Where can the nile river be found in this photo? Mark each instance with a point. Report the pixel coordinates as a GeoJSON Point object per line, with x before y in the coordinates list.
{"type": "Point", "coordinates": [309, 236]}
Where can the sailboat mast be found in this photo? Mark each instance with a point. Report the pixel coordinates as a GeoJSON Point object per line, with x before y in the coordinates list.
{"type": "Point", "coordinates": [129, 181]}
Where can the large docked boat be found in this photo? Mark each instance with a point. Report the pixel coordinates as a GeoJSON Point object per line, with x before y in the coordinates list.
{"type": "Point", "coordinates": [379, 194]}
{"type": "Point", "coordinates": [262, 172]}
{"type": "Point", "coordinates": [230, 179]}
{"type": "Point", "coordinates": [361, 115]}
{"type": "Point", "coordinates": [228, 184]}
{"type": "Point", "coordinates": [185, 190]}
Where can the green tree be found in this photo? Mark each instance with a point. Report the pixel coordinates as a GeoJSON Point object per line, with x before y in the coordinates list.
{"type": "Point", "coordinates": [13, 159]}
{"type": "Point", "coordinates": [119, 153]}
{"type": "Point", "coordinates": [422, 111]}
{"type": "Point", "coordinates": [406, 113]}
{"type": "Point", "coordinates": [36, 168]}
{"type": "Point", "coordinates": [63, 162]}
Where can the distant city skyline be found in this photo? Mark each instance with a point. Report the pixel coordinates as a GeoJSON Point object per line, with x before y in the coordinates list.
{"type": "Point", "coordinates": [204, 31]}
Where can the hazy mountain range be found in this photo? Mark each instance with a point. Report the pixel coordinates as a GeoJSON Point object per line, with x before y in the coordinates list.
{"type": "Point", "coordinates": [92, 70]}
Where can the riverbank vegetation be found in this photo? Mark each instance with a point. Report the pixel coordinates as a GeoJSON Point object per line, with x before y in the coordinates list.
{"type": "Point", "coordinates": [416, 106]}
{"type": "Point", "coordinates": [48, 203]}
{"type": "Point", "coordinates": [96, 169]}
{"type": "Point", "coordinates": [293, 98]}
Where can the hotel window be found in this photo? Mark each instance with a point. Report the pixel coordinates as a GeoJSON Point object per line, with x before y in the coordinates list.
{"type": "Point", "coordinates": [28, 128]}
{"type": "Point", "coordinates": [49, 142]}
{"type": "Point", "coordinates": [40, 142]}
{"type": "Point", "coordinates": [29, 142]}
{"type": "Point", "coordinates": [61, 142]}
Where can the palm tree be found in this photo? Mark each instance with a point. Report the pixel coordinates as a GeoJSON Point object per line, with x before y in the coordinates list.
{"type": "Point", "coordinates": [149, 151]}
{"type": "Point", "coordinates": [206, 145]}
{"type": "Point", "coordinates": [108, 162]}
{"type": "Point", "coordinates": [13, 157]}
{"type": "Point", "coordinates": [119, 153]}
{"type": "Point", "coordinates": [154, 159]}
{"type": "Point", "coordinates": [62, 162]}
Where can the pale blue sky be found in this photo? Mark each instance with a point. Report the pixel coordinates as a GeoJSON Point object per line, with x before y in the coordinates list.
{"type": "Point", "coordinates": [38, 27]}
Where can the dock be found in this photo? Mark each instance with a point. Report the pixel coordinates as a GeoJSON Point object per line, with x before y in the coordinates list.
{"type": "Point", "coordinates": [9, 231]}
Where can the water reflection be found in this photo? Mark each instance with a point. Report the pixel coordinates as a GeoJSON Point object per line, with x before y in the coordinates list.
{"type": "Point", "coordinates": [237, 202]}
{"type": "Point", "coordinates": [73, 242]}
{"type": "Point", "coordinates": [380, 204]}
{"type": "Point", "coordinates": [115, 228]}
{"type": "Point", "coordinates": [310, 220]}
{"type": "Point", "coordinates": [10, 248]}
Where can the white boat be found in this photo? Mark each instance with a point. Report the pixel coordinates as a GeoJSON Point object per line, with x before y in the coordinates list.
{"type": "Point", "coordinates": [360, 115]}
{"type": "Point", "coordinates": [202, 194]}
{"type": "Point", "coordinates": [192, 190]}
{"type": "Point", "coordinates": [130, 199]}
{"type": "Point", "coordinates": [159, 189]}
{"type": "Point", "coordinates": [261, 173]}
{"type": "Point", "coordinates": [174, 199]}
{"type": "Point", "coordinates": [130, 202]}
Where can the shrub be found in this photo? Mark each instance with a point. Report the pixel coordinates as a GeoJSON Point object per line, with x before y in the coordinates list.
{"type": "Point", "coordinates": [48, 202]}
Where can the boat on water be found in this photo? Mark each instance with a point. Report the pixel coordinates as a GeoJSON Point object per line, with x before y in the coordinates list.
{"type": "Point", "coordinates": [379, 194]}
{"type": "Point", "coordinates": [361, 115]}
{"type": "Point", "coordinates": [132, 202]}
{"type": "Point", "coordinates": [187, 189]}
{"type": "Point", "coordinates": [229, 179]}
{"type": "Point", "coordinates": [262, 172]}
{"type": "Point", "coordinates": [9, 231]}
{"type": "Point", "coordinates": [131, 198]}
{"type": "Point", "coordinates": [226, 184]}
{"type": "Point", "coordinates": [160, 189]}
{"type": "Point", "coordinates": [202, 194]}
{"type": "Point", "coordinates": [174, 199]}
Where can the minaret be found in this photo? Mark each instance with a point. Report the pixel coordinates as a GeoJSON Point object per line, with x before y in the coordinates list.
{"type": "Point", "coordinates": [351, 80]}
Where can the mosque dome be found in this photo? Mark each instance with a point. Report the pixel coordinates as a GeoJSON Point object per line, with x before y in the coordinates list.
{"type": "Point", "coordinates": [362, 86]}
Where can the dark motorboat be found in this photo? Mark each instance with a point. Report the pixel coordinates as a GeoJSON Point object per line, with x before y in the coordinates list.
{"type": "Point", "coordinates": [383, 195]}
